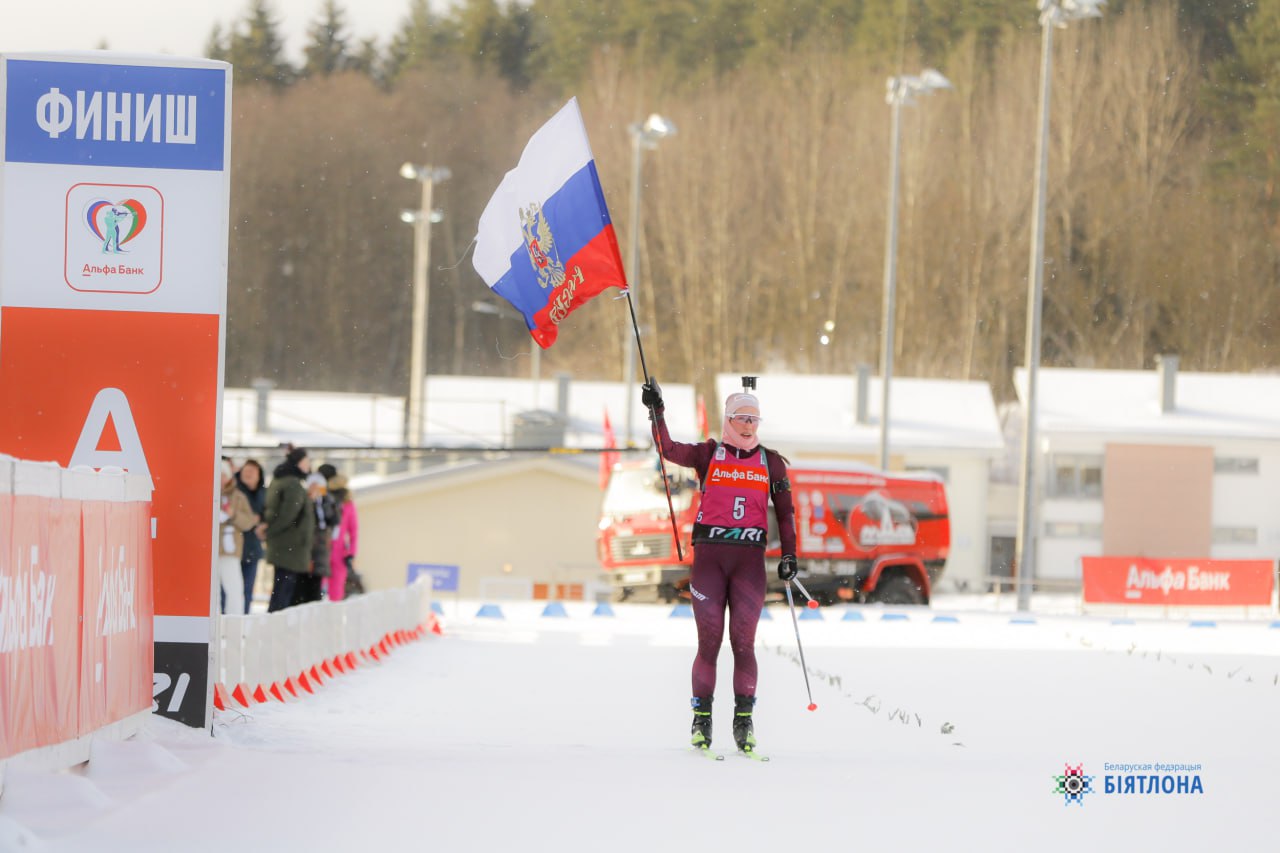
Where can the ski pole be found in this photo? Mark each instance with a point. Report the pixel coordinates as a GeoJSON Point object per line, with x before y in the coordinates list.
{"type": "Point", "coordinates": [795, 624]}
{"type": "Point", "coordinates": [813, 605]}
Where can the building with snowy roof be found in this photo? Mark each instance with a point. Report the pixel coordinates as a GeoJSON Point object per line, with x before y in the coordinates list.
{"type": "Point", "coordinates": [1161, 464]}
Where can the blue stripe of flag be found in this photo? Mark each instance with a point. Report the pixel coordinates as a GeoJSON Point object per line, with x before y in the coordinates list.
{"type": "Point", "coordinates": [576, 214]}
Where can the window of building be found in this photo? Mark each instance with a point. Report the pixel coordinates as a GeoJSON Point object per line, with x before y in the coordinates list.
{"type": "Point", "coordinates": [1235, 536]}
{"type": "Point", "coordinates": [1072, 530]}
{"type": "Point", "coordinates": [1074, 475]}
{"type": "Point", "coordinates": [1235, 465]}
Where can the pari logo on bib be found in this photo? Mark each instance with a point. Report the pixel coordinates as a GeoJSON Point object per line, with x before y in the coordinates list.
{"type": "Point", "coordinates": [114, 238]}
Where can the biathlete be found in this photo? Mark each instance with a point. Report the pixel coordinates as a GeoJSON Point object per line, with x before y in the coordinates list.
{"type": "Point", "coordinates": [738, 477]}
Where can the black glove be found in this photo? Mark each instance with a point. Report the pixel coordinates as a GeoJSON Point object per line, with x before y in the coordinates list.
{"type": "Point", "coordinates": [787, 567]}
{"type": "Point", "coordinates": [651, 394]}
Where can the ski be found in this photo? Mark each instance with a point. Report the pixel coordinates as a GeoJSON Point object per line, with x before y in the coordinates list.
{"type": "Point", "coordinates": [753, 755]}
{"type": "Point", "coordinates": [706, 752]}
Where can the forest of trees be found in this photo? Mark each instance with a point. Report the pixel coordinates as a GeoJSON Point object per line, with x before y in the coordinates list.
{"type": "Point", "coordinates": [764, 217]}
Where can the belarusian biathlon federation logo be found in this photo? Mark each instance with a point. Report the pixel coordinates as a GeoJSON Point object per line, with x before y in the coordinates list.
{"type": "Point", "coordinates": [1073, 784]}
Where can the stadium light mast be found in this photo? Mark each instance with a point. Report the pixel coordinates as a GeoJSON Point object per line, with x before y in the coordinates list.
{"type": "Point", "coordinates": [1054, 14]}
{"type": "Point", "coordinates": [899, 90]}
{"type": "Point", "coordinates": [643, 137]}
{"type": "Point", "coordinates": [421, 220]}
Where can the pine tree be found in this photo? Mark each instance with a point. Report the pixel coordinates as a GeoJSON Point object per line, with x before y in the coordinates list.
{"type": "Point", "coordinates": [1246, 85]}
{"type": "Point", "coordinates": [256, 50]}
{"type": "Point", "coordinates": [423, 37]}
{"type": "Point", "coordinates": [327, 50]}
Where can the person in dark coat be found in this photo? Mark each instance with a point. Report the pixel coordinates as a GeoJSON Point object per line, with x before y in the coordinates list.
{"type": "Point", "coordinates": [251, 481]}
{"type": "Point", "coordinates": [310, 587]}
{"type": "Point", "coordinates": [291, 522]}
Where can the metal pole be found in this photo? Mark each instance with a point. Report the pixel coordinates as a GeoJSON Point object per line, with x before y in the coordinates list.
{"type": "Point", "coordinates": [1026, 565]}
{"type": "Point", "coordinates": [535, 369]}
{"type": "Point", "coordinates": [633, 276]}
{"type": "Point", "coordinates": [890, 277]}
{"type": "Point", "coordinates": [416, 416]}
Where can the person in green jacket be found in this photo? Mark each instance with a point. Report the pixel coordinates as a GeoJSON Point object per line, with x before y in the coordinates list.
{"type": "Point", "coordinates": [290, 527]}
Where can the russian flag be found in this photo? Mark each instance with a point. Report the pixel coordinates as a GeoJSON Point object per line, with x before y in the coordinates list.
{"type": "Point", "coordinates": [545, 242]}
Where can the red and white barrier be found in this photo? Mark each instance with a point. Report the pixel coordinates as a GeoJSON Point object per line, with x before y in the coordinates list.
{"type": "Point", "coordinates": [266, 657]}
{"type": "Point", "coordinates": [76, 613]}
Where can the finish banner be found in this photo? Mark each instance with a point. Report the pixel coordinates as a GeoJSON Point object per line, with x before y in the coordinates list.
{"type": "Point", "coordinates": [1180, 583]}
{"type": "Point", "coordinates": [114, 199]}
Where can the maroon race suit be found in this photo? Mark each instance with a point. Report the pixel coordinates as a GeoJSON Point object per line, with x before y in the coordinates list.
{"type": "Point", "coordinates": [728, 553]}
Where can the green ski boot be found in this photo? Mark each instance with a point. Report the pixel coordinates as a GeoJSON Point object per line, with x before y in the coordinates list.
{"type": "Point", "coordinates": [743, 732]}
{"type": "Point", "coordinates": [701, 733]}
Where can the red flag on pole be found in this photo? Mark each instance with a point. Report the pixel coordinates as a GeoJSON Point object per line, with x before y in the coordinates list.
{"type": "Point", "coordinates": [702, 418]}
{"type": "Point", "coordinates": [607, 459]}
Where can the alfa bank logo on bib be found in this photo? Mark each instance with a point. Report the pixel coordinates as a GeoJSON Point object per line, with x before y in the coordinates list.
{"type": "Point", "coordinates": [114, 238]}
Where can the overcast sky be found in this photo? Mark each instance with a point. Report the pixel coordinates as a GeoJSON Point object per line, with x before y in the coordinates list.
{"type": "Point", "coordinates": [165, 26]}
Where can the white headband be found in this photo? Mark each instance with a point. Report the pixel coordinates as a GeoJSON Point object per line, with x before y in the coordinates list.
{"type": "Point", "coordinates": [736, 402]}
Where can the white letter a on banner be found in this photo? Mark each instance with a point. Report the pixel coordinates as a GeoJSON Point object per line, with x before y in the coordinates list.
{"type": "Point", "coordinates": [110, 402]}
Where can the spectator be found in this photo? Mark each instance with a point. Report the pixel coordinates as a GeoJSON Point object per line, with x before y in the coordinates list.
{"type": "Point", "coordinates": [291, 524]}
{"type": "Point", "coordinates": [250, 480]}
{"type": "Point", "coordinates": [343, 552]}
{"type": "Point", "coordinates": [310, 587]}
{"type": "Point", "coordinates": [235, 518]}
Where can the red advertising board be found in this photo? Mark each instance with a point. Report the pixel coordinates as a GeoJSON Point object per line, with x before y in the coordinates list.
{"type": "Point", "coordinates": [1178, 582]}
{"type": "Point", "coordinates": [137, 391]}
{"type": "Point", "coordinates": [117, 629]}
{"type": "Point", "coordinates": [8, 676]}
{"type": "Point", "coordinates": [39, 615]}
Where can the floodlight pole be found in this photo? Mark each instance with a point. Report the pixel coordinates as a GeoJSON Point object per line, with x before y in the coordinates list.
{"type": "Point", "coordinates": [1053, 13]}
{"type": "Point", "coordinates": [900, 91]}
{"type": "Point", "coordinates": [890, 273]}
{"type": "Point", "coordinates": [643, 136]}
{"type": "Point", "coordinates": [418, 344]}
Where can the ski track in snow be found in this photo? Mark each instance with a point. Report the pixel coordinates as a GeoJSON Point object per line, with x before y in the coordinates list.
{"type": "Point", "coordinates": [533, 733]}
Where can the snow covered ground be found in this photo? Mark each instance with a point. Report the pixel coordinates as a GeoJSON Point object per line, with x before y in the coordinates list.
{"type": "Point", "coordinates": [940, 729]}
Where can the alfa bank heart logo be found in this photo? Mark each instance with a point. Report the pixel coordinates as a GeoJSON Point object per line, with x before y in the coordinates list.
{"type": "Point", "coordinates": [114, 238]}
{"type": "Point", "coordinates": [115, 223]}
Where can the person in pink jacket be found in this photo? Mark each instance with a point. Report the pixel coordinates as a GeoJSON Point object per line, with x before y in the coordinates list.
{"type": "Point", "coordinates": [342, 554]}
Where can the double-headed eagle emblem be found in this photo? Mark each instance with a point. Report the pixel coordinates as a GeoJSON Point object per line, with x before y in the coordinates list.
{"type": "Point", "coordinates": [542, 247]}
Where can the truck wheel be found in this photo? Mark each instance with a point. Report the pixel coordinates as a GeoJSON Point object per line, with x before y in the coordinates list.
{"type": "Point", "coordinates": [897, 589]}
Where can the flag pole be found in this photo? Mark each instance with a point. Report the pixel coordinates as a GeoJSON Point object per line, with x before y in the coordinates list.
{"type": "Point", "coordinates": [662, 465]}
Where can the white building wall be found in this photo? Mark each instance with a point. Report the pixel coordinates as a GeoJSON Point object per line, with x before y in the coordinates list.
{"type": "Point", "coordinates": [968, 481]}
{"type": "Point", "coordinates": [1249, 500]}
{"type": "Point", "coordinates": [1058, 557]}
{"type": "Point", "coordinates": [1239, 500]}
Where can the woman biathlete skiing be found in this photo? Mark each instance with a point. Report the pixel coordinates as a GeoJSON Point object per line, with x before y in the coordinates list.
{"type": "Point", "coordinates": [738, 478]}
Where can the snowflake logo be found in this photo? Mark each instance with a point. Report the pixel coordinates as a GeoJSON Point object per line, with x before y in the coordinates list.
{"type": "Point", "coordinates": [1073, 784]}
